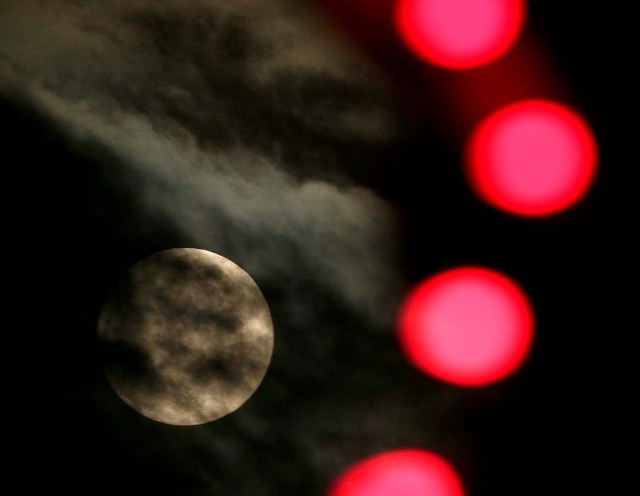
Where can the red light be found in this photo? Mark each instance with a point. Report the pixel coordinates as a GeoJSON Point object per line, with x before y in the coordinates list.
{"type": "Point", "coordinates": [459, 34]}
{"type": "Point", "coordinates": [532, 158]}
{"type": "Point", "coordinates": [469, 326]}
{"type": "Point", "coordinates": [403, 472]}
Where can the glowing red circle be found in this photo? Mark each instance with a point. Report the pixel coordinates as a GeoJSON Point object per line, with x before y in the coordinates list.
{"type": "Point", "coordinates": [408, 472]}
{"type": "Point", "coordinates": [459, 34]}
{"type": "Point", "coordinates": [532, 158]}
{"type": "Point", "coordinates": [469, 326]}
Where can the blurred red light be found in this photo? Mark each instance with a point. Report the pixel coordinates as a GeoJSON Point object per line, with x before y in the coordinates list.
{"type": "Point", "coordinates": [459, 34]}
{"type": "Point", "coordinates": [469, 326]}
{"type": "Point", "coordinates": [399, 473]}
{"type": "Point", "coordinates": [532, 158]}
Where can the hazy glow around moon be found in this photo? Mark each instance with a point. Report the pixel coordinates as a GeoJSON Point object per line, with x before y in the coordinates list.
{"type": "Point", "coordinates": [186, 337]}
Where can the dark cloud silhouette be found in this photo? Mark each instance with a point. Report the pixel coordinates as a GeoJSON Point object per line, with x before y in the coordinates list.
{"type": "Point", "coordinates": [130, 364]}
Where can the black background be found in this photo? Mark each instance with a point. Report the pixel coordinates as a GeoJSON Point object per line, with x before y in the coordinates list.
{"type": "Point", "coordinates": [69, 235]}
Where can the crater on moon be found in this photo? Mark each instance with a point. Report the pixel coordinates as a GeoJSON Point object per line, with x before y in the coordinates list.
{"type": "Point", "coordinates": [186, 336]}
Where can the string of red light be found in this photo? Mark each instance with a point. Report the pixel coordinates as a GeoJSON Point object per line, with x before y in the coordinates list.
{"type": "Point", "coordinates": [525, 153]}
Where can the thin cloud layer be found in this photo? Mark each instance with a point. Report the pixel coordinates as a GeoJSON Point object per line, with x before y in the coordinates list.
{"type": "Point", "coordinates": [195, 137]}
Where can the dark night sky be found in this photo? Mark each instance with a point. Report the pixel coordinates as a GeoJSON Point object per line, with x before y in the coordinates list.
{"type": "Point", "coordinates": [257, 132]}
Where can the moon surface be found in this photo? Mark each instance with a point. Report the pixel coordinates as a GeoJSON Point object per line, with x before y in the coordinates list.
{"type": "Point", "coordinates": [186, 337]}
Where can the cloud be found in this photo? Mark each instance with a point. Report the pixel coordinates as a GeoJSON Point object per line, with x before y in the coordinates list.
{"type": "Point", "coordinates": [241, 205]}
{"type": "Point", "coordinates": [244, 129]}
{"type": "Point", "coordinates": [216, 68]}
{"type": "Point", "coordinates": [109, 73]}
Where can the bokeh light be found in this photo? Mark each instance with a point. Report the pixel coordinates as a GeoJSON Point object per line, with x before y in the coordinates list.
{"type": "Point", "coordinates": [469, 326]}
{"type": "Point", "coordinates": [408, 472]}
{"type": "Point", "coordinates": [532, 158]}
{"type": "Point", "coordinates": [459, 34]}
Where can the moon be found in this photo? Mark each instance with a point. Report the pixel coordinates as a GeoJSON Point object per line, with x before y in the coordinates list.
{"type": "Point", "coordinates": [186, 337]}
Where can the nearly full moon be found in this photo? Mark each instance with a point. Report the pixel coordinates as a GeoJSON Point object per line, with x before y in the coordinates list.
{"type": "Point", "coordinates": [186, 337]}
